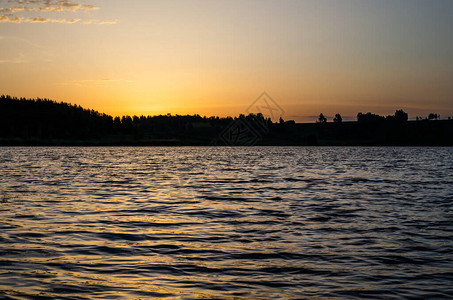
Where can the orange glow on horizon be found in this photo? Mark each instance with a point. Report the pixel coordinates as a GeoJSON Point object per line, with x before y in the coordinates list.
{"type": "Point", "coordinates": [181, 58]}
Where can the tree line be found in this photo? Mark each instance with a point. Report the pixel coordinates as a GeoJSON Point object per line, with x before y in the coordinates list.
{"type": "Point", "coordinates": [399, 116]}
{"type": "Point", "coordinates": [46, 122]}
{"type": "Point", "coordinates": [44, 119]}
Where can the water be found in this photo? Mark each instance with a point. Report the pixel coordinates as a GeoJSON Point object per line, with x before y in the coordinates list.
{"type": "Point", "coordinates": [259, 222]}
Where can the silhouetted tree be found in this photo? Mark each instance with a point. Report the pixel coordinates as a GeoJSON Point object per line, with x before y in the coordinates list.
{"type": "Point", "coordinates": [401, 116]}
{"type": "Point", "coordinates": [46, 119]}
{"type": "Point", "coordinates": [338, 118]}
{"type": "Point", "coordinates": [433, 116]}
{"type": "Point", "coordinates": [322, 119]}
{"type": "Point", "coordinates": [369, 117]}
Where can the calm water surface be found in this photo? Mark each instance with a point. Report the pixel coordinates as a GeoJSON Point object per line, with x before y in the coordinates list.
{"type": "Point", "coordinates": [259, 222]}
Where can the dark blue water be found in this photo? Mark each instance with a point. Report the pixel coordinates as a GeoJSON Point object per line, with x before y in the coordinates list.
{"type": "Point", "coordinates": [259, 222]}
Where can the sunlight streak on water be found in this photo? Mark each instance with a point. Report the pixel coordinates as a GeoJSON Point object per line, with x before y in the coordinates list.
{"type": "Point", "coordinates": [189, 222]}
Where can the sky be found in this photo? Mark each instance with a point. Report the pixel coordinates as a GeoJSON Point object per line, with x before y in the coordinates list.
{"type": "Point", "coordinates": [216, 57]}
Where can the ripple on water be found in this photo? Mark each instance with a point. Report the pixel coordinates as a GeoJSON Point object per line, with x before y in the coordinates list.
{"type": "Point", "coordinates": [259, 222]}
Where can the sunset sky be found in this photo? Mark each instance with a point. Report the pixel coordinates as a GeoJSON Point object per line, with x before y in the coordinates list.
{"type": "Point", "coordinates": [215, 57]}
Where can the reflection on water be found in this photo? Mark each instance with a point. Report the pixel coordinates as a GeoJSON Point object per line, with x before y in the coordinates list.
{"type": "Point", "coordinates": [260, 222]}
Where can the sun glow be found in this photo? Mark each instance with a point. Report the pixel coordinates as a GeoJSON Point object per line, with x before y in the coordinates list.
{"type": "Point", "coordinates": [216, 57]}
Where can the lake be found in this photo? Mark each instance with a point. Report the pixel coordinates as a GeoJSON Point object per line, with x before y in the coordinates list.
{"type": "Point", "coordinates": [226, 222]}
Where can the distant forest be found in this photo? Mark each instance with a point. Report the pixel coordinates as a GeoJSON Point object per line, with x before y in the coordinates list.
{"type": "Point", "coordinates": [45, 122]}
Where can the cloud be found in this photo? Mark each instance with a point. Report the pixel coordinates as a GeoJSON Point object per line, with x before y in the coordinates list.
{"type": "Point", "coordinates": [37, 20]}
{"type": "Point", "coordinates": [109, 22]}
{"type": "Point", "coordinates": [11, 10]}
{"type": "Point", "coordinates": [6, 19]}
{"type": "Point", "coordinates": [106, 22]}
{"type": "Point", "coordinates": [49, 5]}
{"type": "Point", "coordinates": [48, 20]}
{"type": "Point", "coordinates": [89, 7]}
{"type": "Point", "coordinates": [25, 11]}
